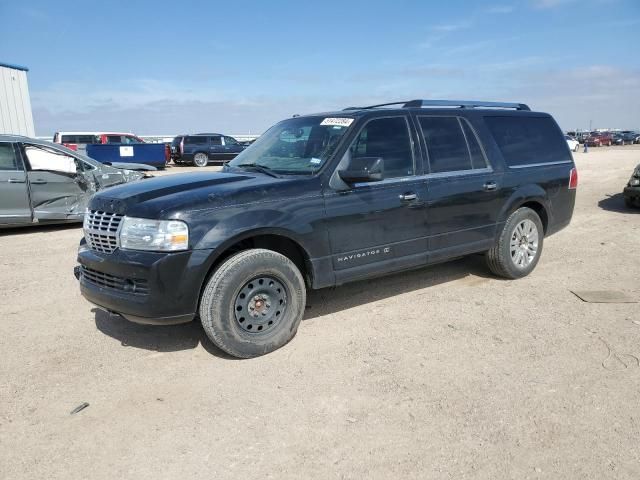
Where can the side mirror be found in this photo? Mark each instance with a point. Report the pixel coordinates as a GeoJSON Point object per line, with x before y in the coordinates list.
{"type": "Point", "coordinates": [363, 169]}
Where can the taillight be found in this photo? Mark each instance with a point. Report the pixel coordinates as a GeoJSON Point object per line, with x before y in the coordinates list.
{"type": "Point", "coordinates": [573, 179]}
{"type": "Point", "coordinates": [71, 146]}
{"type": "Point", "coordinates": [182, 146]}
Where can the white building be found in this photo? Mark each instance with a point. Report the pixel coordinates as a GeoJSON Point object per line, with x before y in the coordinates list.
{"type": "Point", "coordinates": [15, 106]}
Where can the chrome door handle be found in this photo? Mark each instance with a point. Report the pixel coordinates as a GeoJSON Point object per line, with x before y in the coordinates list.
{"type": "Point", "coordinates": [16, 180]}
{"type": "Point", "coordinates": [408, 197]}
{"type": "Point", "coordinates": [490, 186]}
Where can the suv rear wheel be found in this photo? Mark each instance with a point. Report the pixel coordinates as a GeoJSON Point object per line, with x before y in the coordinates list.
{"type": "Point", "coordinates": [253, 303]}
{"type": "Point", "coordinates": [518, 249]}
{"type": "Point", "coordinates": [200, 159]}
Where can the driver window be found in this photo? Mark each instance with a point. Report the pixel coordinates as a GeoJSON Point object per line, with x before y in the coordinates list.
{"type": "Point", "coordinates": [50, 161]}
{"type": "Point", "coordinates": [389, 139]}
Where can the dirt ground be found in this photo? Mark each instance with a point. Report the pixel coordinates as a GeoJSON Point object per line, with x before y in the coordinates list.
{"type": "Point", "coordinates": [438, 373]}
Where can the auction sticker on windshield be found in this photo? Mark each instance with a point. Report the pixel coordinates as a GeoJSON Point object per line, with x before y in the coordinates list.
{"type": "Point", "coordinates": [339, 122]}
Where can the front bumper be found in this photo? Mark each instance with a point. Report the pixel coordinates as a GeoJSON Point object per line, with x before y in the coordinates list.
{"type": "Point", "coordinates": [144, 287]}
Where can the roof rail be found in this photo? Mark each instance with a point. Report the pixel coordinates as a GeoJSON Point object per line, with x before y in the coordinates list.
{"type": "Point", "coordinates": [380, 105]}
{"type": "Point", "coordinates": [464, 104]}
{"type": "Point", "coordinates": [447, 103]}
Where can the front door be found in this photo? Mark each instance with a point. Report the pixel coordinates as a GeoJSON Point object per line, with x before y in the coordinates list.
{"type": "Point", "coordinates": [231, 147]}
{"type": "Point", "coordinates": [464, 190]}
{"type": "Point", "coordinates": [14, 194]}
{"type": "Point", "coordinates": [59, 189]}
{"type": "Point", "coordinates": [380, 226]}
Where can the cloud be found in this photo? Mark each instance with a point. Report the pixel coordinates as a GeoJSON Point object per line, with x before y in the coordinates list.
{"type": "Point", "coordinates": [550, 3]}
{"type": "Point", "coordinates": [500, 9]}
{"type": "Point", "coordinates": [451, 27]}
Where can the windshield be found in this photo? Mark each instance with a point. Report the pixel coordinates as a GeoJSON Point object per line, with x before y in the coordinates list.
{"type": "Point", "coordinates": [298, 146]}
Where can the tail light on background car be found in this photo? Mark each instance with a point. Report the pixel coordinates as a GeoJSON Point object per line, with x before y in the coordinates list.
{"type": "Point", "coordinates": [573, 179]}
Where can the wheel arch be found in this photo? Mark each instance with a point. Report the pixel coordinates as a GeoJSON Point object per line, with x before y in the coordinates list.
{"type": "Point", "coordinates": [533, 197]}
{"type": "Point", "coordinates": [275, 239]}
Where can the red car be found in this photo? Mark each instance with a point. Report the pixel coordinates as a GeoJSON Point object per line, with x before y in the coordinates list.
{"type": "Point", "coordinates": [598, 139]}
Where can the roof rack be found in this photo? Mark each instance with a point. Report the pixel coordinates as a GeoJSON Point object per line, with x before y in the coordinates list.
{"type": "Point", "coordinates": [448, 103]}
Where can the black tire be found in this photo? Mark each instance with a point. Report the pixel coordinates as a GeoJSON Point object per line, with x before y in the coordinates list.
{"type": "Point", "coordinates": [499, 258]}
{"type": "Point", "coordinates": [576, 148]}
{"type": "Point", "coordinates": [224, 324]}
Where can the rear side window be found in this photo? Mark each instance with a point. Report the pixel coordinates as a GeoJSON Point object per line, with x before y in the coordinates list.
{"type": "Point", "coordinates": [69, 139]}
{"type": "Point", "coordinates": [446, 143]}
{"type": "Point", "coordinates": [114, 139]}
{"type": "Point", "coordinates": [196, 140]}
{"type": "Point", "coordinates": [8, 160]}
{"type": "Point", "coordinates": [528, 140]}
{"type": "Point", "coordinates": [216, 140]}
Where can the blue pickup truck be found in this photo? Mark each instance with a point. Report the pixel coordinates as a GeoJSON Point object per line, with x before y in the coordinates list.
{"type": "Point", "coordinates": [201, 148]}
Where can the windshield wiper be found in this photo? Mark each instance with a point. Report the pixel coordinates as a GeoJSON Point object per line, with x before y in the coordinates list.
{"type": "Point", "coordinates": [260, 168]}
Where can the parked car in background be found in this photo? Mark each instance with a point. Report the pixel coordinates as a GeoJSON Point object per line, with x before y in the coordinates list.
{"type": "Point", "coordinates": [617, 138]}
{"type": "Point", "coordinates": [320, 200]}
{"type": "Point", "coordinates": [599, 139]}
{"type": "Point", "coordinates": [631, 192]}
{"type": "Point", "coordinates": [44, 182]}
{"type": "Point", "coordinates": [573, 144]}
{"type": "Point", "coordinates": [630, 137]}
{"type": "Point", "coordinates": [201, 148]}
{"type": "Point", "coordinates": [80, 140]}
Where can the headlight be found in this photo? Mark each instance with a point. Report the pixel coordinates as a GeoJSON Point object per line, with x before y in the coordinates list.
{"type": "Point", "coordinates": [154, 235]}
{"type": "Point", "coordinates": [634, 182]}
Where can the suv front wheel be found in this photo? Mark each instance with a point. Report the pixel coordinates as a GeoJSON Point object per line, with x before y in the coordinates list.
{"type": "Point", "coordinates": [519, 246]}
{"type": "Point", "coordinates": [253, 303]}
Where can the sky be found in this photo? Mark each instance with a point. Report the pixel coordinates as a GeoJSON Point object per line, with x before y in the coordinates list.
{"type": "Point", "coordinates": [158, 67]}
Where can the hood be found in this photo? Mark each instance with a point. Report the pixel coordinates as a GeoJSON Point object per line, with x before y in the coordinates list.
{"type": "Point", "coordinates": [172, 195]}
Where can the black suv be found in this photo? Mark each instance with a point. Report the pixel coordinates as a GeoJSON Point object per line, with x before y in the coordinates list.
{"type": "Point", "coordinates": [320, 200]}
{"type": "Point", "coordinates": [201, 148]}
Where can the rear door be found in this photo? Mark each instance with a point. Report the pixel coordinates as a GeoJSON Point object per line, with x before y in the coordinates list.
{"type": "Point", "coordinates": [14, 194]}
{"type": "Point", "coordinates": [464, 194]}
{"type": "Point", "coordinates": [216, 147]}
{"type": "Point", "coordinates": [59, 189]}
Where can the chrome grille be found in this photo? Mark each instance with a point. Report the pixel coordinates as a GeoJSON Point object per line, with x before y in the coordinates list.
{"type": "Point", "coordinates": [101, 279]}
{"type": "Point", "coordinates": [101, 230]}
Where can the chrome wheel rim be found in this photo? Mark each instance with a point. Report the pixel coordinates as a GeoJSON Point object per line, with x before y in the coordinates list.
{"type": "Point", "coordinates": [200, 159]}
{"type": "Point", "coordinates": [524, 243]}
{"type": "Point", "coordinates": [260, 304]}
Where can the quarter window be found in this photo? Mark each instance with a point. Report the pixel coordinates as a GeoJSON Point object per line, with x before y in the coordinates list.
{"type": "Point", "coordinates": [528, 140]}
{"type": "Point", "coordinates": [8, 160]}
{"type": "Point", "coordinates": [478, 160]}
{"type": "Point", "coordinates": [446, 144]}
{"type": "Point", "coordinates": [197, 140]}
{"type": "Point", "coordinates": [389, 139]}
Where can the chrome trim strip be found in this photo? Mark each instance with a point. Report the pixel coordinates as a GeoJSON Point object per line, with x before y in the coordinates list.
{"type": "Point", "coordinates": [527, 165]}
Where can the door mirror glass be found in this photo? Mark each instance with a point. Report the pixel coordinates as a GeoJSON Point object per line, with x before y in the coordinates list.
{"type": "Point", "coordinates": [363, 169]}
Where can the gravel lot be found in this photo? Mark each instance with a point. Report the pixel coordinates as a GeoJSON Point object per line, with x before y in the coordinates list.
{"type": "Point", "coordinates": [443, 372]}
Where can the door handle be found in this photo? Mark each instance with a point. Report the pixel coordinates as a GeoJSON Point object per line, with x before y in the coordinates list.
{"type": "Point", "coordinates": [16, 180]}
{"type": "Point", "coordinates": [490, 186]}
{"type": "Point", "coordinates": [408, 197]}
{"type": "Point", "coordinates": [38, 182]}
